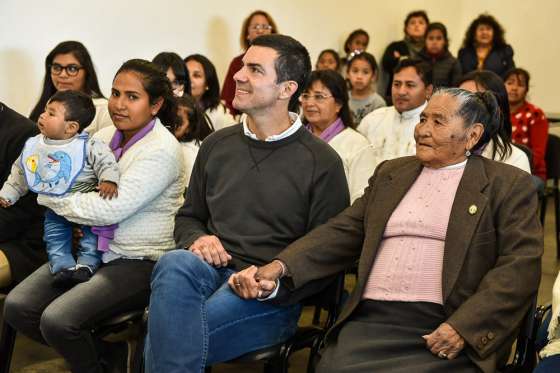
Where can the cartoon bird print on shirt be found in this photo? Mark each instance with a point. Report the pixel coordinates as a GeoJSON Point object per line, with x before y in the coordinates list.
{"type": "Point", "coordinates": [58, 162]}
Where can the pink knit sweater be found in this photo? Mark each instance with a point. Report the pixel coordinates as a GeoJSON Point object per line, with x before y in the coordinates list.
{"type": "Point", "coordinates": [408, 266]}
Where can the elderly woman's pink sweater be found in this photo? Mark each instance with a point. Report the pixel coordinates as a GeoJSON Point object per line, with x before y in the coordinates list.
{"type": "Point", "coordinates": [408, 266]}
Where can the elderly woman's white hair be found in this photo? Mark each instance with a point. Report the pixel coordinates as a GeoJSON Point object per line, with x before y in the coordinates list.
{"type": "Point", "coordinates": [479, 107]}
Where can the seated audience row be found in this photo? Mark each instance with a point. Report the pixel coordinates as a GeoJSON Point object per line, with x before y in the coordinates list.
{"type": "Point", "coordinates": [276, 161]}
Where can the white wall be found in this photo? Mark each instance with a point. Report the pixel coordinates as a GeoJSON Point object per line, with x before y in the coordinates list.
{"type": "Point", "coordinates": [116, 30]}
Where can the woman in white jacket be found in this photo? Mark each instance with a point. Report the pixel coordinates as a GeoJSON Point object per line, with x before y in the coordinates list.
{"type": "Point", "coordinates": [327, 115]}
{"type": "Point", "coordinates": [205, 89]}
{"type": "Point", "coordinates": [150, 193]}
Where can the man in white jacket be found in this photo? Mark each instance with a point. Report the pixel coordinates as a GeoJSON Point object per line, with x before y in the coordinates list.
{"type": "Point", "coordinates": [391, 129]}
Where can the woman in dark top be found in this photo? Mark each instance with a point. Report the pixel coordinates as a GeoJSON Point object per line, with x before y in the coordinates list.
{"type": "Point", "coordinates": [446, 69]}
{"type": "Point", "coordinates": [415, 26]}
{"type": "Point", "coordinates": [485, 48]}
{"type": "Point", "coordinates": [258, 23]}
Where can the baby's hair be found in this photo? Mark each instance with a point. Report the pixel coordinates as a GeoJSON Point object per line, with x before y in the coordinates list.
{"type": "Point", "coordinates": [79, 107]}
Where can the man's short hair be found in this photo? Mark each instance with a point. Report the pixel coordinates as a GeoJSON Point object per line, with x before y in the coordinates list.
{"type": "Point", "coordinates": [293, 61]}
{"type": "Point", "coordinates": [79, 107]}
{"type": "Point", "coordinates": [423, 69]}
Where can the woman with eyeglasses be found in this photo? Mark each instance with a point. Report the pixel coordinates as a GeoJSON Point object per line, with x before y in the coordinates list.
{"type": "Point", "coordinates": [69, 67]}
{"type": "Point", "coordinates": [256, 24]}
{"type": "Point", "coordinates": [327, 115]}
{"type": "Point", "coordinates": [174, 67]}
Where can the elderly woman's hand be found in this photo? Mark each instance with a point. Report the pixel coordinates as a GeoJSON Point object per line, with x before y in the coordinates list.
{"type": "Point", "coordinates": [211, 250]}
{"type": "Point", "coordinates": [254, 282]}
{"type": "Point", "coordinates": [445, 342]}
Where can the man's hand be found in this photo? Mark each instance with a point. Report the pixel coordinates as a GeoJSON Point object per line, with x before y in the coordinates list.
{"type": "Point", "coordinates": [210, 249]}
{"type": "Point", "coordinates": [251, 282]}
{"type": "Point", "coordinates": [4, 203]}
{"type": "Point", "coordinates": [445, 342]}
{"type": "Point", "coordinates": [107, 189]}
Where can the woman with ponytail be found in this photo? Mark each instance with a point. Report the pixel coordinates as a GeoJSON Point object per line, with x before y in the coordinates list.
{"type": "Point", "coordinates": [499, 147]}
{"type": "Point", "coordinates": [449, 246]}
{"type": "Point", "coordinates": [150, 193]}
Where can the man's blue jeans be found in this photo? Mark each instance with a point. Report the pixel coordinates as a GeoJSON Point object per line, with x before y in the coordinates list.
{"type": "Point", "coordinates": [196, 320]}
{"type": "Point", "coordinates": [58, 239]}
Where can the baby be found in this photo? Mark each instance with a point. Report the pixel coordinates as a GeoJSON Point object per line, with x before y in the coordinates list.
{"type": "Point", "coordinates": [61, 160]}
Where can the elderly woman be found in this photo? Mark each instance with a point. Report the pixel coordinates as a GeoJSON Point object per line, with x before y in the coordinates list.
{"type": "Point", "coordinates": [327, 115]}
{"type": "Point", "coordinates": [449, 249]}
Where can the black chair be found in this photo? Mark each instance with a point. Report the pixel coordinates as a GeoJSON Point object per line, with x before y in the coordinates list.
{"type": "Point", "coordinates": [276, 358]}
{"type": "Point", "coordinates": [553, 173]}
{"type": "Point", "coordinates": [112, 325]}
{"type": "Point", "coordinates": [526, 349]}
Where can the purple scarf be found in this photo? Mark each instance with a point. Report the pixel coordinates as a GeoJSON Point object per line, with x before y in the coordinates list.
{"type": "Point", "coordinates": [331, 131]}
{"type": "Point", "coordinates": [107, 233]}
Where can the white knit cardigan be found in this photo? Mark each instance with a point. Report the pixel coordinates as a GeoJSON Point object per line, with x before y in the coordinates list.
{"type": "Point", "coordinates": [150, 192]}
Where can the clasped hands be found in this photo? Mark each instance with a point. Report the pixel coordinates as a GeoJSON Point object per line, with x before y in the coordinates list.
{"type": "Point", "coordinates": [252, 282]}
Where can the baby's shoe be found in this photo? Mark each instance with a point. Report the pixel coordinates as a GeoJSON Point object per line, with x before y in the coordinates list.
{"type": "Point", "coordinates": [82, 273]}
{"type": "Point", "coordinates": [64, 278]}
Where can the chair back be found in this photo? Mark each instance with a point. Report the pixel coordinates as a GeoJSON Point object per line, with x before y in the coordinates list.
{"type": "Point", "coordinates": [329, 299]}
{"type": "Point", "coordinates": [525, 357]}
{"type": "Point", "coordinates": [553, 157]}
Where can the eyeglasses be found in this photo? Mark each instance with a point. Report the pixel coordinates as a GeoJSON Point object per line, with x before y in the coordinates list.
{"type": "Point", "coordinates": [260, 27]}
{"type": "Point", "coordinates": [316, 97]}
{"type": "Point", "coordinates": [71, 70]}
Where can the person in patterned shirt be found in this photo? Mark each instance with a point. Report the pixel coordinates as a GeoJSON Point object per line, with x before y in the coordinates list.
{"type": "Point", "coordinates": [529, 124]}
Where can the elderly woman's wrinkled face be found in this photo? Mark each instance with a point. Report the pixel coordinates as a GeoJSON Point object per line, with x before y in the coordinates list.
{"type": "Point", "coordinates": [441, 139]}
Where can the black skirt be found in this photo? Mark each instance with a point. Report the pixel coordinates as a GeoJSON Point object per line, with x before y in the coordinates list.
{"type": "Point", "coordinates": [387, 337]}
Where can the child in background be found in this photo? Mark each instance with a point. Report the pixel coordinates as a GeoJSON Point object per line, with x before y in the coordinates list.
{"type": "Point", "coordinates": [356, 42]}
{"type": "Point", "coordinates": [362, 74]}
{"type": "Point", "coordinates": [61, 160]}
{"type": "Point", "coordinates": [328, 60]}
{"type": "Point", "coordinates": [191, 131]}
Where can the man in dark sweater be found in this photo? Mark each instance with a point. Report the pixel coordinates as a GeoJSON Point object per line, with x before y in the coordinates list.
{"type": "Point", "coordinates": [21, 226]}
{"type": "Point", "coordinates": [255, 188]}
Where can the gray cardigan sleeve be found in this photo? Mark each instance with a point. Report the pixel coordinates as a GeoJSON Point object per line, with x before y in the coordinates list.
{"type": "Point", "coordinates": [103, 161]}
{"type": "Point", "coordinates": [16, 185]}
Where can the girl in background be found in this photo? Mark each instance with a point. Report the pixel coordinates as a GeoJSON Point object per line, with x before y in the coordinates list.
{"type": "Point", "coordinates": [190, 130]}
{"type": "Point", "coordinates": [362, 75]}
{"type": "Point", "coordinates": [328, 60]}
{"type": "Point", "coordinates": [446, 69]}
{"type": "Point", "coordinates": [356, 42]}
{"type": "Point", "coordinates": [172, 65]}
